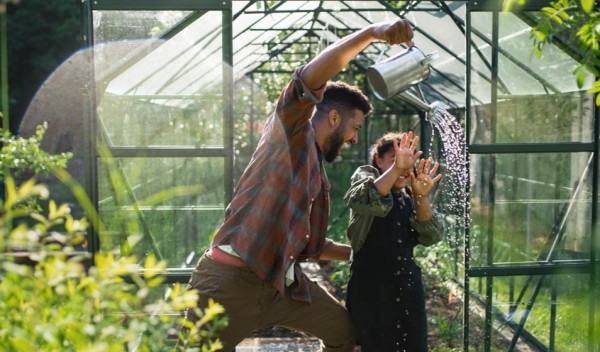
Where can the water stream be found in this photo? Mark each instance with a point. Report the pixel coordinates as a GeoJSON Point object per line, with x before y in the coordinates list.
{"type": "Point", "coordinates": [454, 163]}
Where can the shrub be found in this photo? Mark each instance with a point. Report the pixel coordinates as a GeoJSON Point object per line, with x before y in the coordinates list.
{"type": "Point", "coordinates": [56, 296]}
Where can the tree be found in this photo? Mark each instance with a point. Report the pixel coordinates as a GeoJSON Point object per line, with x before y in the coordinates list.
{"type": "Point", "coordinates": [41, 35]}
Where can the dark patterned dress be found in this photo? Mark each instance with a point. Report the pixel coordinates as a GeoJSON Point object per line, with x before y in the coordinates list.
{"type": "Point", "coordinates": [385, 292]}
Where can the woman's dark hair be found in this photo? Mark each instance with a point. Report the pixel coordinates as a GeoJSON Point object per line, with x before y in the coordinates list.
{"type": "Point", "coordinates": [382, 146]}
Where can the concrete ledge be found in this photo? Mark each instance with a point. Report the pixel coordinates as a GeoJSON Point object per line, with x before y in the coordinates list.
{"type": "Point", "coordinates": [276, 344]}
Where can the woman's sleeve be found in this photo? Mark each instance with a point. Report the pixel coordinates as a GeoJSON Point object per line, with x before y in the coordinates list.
{"type": "Point", "coordinates": [363, 197]}
{"type": "Point", "coordinates": [431, 231]}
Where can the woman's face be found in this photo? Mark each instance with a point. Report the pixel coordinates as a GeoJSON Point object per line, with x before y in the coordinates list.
{"type": "Point", "coordinates": [385, 162]}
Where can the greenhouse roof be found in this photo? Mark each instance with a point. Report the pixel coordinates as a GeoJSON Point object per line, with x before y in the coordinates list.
{"type": "Point", "coordinates": [262, 32]}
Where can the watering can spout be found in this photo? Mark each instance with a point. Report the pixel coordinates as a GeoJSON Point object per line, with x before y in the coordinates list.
{"type": "Point", "coordinates": [414, 100]}
{"type": "Point", "coordinates": [430, 109]}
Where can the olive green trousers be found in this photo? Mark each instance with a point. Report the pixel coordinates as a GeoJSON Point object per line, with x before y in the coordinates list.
{"type": "Point", "coordinates": [251, 304]}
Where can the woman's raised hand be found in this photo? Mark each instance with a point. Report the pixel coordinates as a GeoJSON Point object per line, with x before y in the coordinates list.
{"type": "Point", "coordinates": [405, 153]}
{"type": "Point", "coordinates": [426, 177]}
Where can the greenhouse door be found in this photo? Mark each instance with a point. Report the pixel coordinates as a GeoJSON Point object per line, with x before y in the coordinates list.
{"type": "Point", "coordinates": [162, 121]}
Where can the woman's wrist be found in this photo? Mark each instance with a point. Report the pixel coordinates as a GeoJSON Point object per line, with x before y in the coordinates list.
{"type": "Point", "coordinates": [403, 172]}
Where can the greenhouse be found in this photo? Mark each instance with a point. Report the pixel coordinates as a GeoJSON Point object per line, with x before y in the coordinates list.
{"type": "Point", "coordinates": [163, 103]}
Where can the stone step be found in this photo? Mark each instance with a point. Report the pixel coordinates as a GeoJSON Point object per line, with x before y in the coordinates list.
{"type": "Point", "coordinates": [279, 344]}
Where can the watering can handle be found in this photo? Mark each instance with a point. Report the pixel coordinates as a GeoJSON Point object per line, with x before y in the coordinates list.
{"type": "Point", "coordinates": [430, 58]}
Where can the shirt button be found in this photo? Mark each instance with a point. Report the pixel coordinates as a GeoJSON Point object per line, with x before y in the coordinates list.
{"type": "Point", "coordinates": [312, 199]}
{"type": "Point", "coordinates": [398, 223]}
{"type": "Point", "coordinates": [307, 236]}
{"type": "Point", "coordinates": [399, 258]}
{"type": "Point", "coordinates": [291, 257]}
{"type": "Point", "coordinates": [397, 299]}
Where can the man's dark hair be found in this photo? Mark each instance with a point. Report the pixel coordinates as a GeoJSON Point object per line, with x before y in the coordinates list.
{"type": "Point", "coordinates": [344, 98]}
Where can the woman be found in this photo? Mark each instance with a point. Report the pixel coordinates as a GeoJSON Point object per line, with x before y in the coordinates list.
{"type": "Point", "coordinates": [388, 219]}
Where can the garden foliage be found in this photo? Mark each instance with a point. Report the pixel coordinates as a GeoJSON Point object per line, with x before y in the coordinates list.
{"type": "Point", "coordinates": [56, 296]}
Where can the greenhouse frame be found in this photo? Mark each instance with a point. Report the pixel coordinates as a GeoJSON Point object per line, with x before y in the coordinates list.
{"type": "Point", "coordinates": [171, 95]}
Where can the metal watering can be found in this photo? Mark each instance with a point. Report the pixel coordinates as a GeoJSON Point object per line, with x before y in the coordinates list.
{"type": "Point", "coordinates": [398, 73]}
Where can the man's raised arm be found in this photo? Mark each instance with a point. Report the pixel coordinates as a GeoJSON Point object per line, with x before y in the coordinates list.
{"type": "Point", "coordinates": [336, 56]}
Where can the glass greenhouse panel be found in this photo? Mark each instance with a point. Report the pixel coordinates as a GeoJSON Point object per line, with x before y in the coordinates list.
{"type": "Point", "coordinates": [567, 117]}
{"type": "Point", "coordinates": [521, 73]}
{"type": "Point", "coordinates": [162, 82]}
{"type": "Point", "coordinates": [528, 207]}
{"type": "Point", "coordinates": [142, 121]}
{"type": "Point", "coordinates": [169, 206]}
{"type": "Point", "coordinates": [112, 26]}
{"type": "Point", "coordinates": [550, 310]}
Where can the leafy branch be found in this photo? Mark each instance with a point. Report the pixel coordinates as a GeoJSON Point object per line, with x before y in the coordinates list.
{"type": "Point", "coordinates": [578, 21]}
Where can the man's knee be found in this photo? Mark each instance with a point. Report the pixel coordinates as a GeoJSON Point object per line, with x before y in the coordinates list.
{"type": "Point", "coordinates": [346, 346]}
{"type": "Point", "coordinates": [344, 340]}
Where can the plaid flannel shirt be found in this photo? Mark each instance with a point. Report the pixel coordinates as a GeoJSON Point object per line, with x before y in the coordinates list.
{"type": "Point", "coordinates": [280, 209]}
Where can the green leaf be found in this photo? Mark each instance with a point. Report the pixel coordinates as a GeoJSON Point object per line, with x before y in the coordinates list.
{"type": "Point", "coordinates": [587, 5]}
{"type": "Point", "coordinates": [592, 70]}
{"type": "Point", "coordinates": [580, 79]}
{"type": "Point", "coordinates": [595, 88]}
{"type": "Point", "coordinates": [555, 15]}
{"type": "Point", "coordinates": [540, 35]}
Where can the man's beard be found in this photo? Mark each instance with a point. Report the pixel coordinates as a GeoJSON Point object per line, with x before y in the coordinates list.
{"type": "Point", "coordinates": [333, 145]}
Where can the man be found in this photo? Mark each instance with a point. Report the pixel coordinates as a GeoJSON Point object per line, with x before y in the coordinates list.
{"type": "Point", "coordinates": [279, 213]}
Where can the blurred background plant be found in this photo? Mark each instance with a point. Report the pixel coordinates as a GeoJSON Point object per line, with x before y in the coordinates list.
{"type": "Point", "coordinates": [57, 296]}
{"type": "Point", "coordinates": [19, 156]}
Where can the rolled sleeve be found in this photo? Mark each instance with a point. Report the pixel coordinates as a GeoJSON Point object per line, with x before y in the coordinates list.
{"type": "Point", "coordinates": [431, 231]}
{"type": "Point", "coordinates": [305, 94]}
{"type": "Point", "coordinates": [297, 103]}
{"type": "Point", "coordinates": [363, 197]}
{"type": "Point", "coordinates": [365, 203]}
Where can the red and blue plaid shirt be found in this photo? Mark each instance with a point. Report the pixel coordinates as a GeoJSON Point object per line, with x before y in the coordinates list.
{"type": "Point", "coordinates": [280, 209]}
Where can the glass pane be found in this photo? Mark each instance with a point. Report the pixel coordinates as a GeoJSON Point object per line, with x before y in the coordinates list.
{"type": "Point", "coordinates": [534, 302]}
{"type": "Point", "coordinates": [553, 70]}
{"type": "Point", "coordinates": [172, 206]}
{"type": "Point", "coordinates": [479, 333]}
{"type": "Point", "coordinates": [567, 117]}
{"type": "Point", "coordinates": [123, 25]}
{"type": "Point", "coordinates": [528, 204]}
{"type": "Point", "coordinates": [538, 100]}
{"type": "Point", "coordinates": [250, 108]}
{"type": "Point", "coordinates": [127, 120]}
{"type": "Point", "coordinates": [165, 87]}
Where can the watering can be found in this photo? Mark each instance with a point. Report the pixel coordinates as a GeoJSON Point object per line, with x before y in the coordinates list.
{"type": "Point", "coordinates": [398, 73]}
